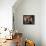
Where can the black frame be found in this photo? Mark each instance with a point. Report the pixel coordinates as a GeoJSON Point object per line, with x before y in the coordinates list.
{"type": "Point", "coordinates": [28, 19]}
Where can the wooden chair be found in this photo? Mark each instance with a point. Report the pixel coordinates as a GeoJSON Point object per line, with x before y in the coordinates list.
{"type": "Point", "coordinates": [18, 39]}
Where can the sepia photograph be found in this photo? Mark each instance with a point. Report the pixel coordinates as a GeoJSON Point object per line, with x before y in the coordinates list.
{"type": "Point", "coordinates": [28, 19]}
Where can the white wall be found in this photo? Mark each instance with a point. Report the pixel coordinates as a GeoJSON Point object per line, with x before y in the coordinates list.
{"type": "Point", "coordinates": [43, 22]}
{"type": "Point", "coordinates": [6, 13]}
{"type": "Point", "coordinates": [28, 7]}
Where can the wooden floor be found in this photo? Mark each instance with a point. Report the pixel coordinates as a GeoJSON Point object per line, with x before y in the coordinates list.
{"type": "Point", "coordinates": [9, 43]}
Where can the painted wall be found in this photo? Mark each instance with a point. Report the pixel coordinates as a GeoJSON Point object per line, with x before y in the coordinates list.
{"type": "Point", "coordinates": [28, 7]}
{"type": "Point", "coordinates": [43, 22]}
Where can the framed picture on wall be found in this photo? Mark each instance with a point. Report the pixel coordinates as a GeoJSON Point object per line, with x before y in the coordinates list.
{"type": "Point", "coordinates": [28, 19]}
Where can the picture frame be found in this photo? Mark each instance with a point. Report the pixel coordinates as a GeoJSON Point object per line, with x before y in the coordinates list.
{"type": "Point", "coordinates": [28, 19]}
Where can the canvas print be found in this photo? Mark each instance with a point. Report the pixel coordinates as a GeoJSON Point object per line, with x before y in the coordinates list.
{"type": "Point", "coordinates": [28, 19]}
